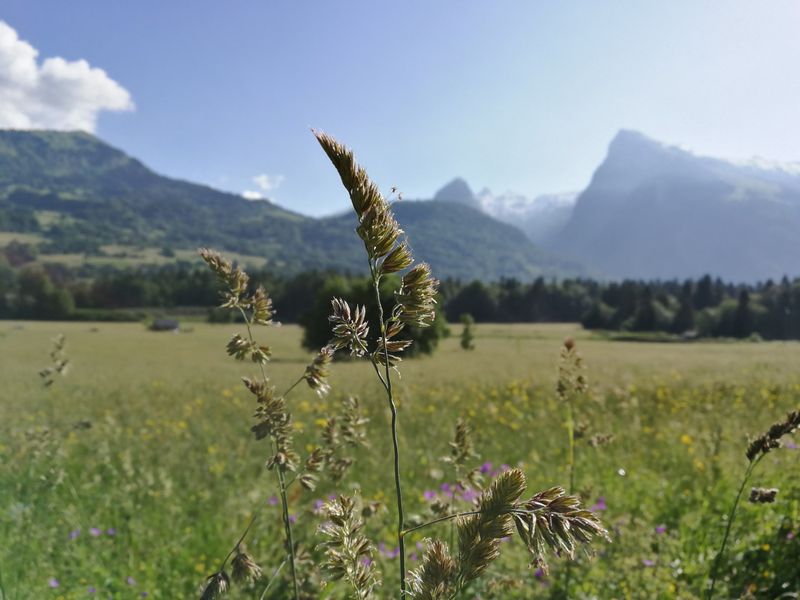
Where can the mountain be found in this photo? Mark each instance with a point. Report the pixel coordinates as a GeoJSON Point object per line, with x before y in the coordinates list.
{"type": "Point", "coordinates": [657, 211]}
{"type": "Point", "coordinates": [78, 196]}
{"type": "Point", "coordinates": [462, 242]}
{"type": "Point", "coordinates": [458, 191]}
{"type": "Point", "coordinates": [541, 218]}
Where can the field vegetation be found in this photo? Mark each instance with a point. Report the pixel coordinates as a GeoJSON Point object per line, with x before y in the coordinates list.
{"type": "Point", "coordinates": [131, 474]}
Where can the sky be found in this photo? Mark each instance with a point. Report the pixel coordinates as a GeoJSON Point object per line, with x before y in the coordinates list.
{"type": "Point", "coordinates": [519, 96]}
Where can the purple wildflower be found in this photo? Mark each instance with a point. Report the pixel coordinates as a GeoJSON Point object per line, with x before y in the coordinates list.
{"type": "Point", "coordinates": [790, 535]}
{"type": "Point", "coordinates": [144, 594]}
{"type": "Point", "coordinates": [429, 495]}
{"type": "Point", "coordinates": [130, 580]}
{"type": "Point", "coordinates": [366, 561]}
{"type": "Point", "coordinates": [661, 529]}
{"type": "Point", "coordinates": [53, 582]}
{"type": "Point", "coordinates": [539, 573]}
{"type": "Point", "coordinates": [272, 500]}
{"type": "Point", "coordinates": [318, 504]}
{"type": "Point", "coordinates": [74, 533]}
{"type": "Point", "coordinates": [647, 562]}
{"type": "Point", "coordinates": [95, 532]}
{"type": "Point", "coordinates": [504, 467]}
{"type": "Point", "coordinates": [413, 556]}
{"type": "Point", "coordinates": [599, 505]}
{"type": "Point", "coordinates": [469, 495]}
{"type": "Point", "coordinates": [486, 467]}
{"type": "Point", "coordinates": [790, 445]}
{"type": "Point", "coordinates": [111, 531]}
{"type": "Point", "coordinates": [292, 519]}
{"type": "Point", "coordinates": [92, 590]}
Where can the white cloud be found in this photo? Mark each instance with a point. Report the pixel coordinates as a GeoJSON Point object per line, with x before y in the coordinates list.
{"type": "Point", "coordinates": [56, 94]}
{"type": "Point", "coordinates": [268, 183]}
{"type": "Point", "coordinates": [252, 195]}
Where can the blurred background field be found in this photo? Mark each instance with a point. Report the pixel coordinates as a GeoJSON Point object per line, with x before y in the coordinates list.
{"type": "Point", "coordinates": [135, 473]}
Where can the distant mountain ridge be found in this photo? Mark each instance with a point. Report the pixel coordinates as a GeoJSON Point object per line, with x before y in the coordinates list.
{"type": "Point", "coordinates": [81, 195]}
{"type": "Point", "coordinates": [540, 218]}
{"type": "Point", "coordinates": [657, 211]}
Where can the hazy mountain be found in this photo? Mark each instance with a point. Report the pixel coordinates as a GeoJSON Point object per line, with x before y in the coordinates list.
{"type": "Point", "coordinates": [540, 218]}
{"type": "Point", "coordinates": [653, 210]}
{"type": "Point", "coordinates": [459, 191]}
{"type": "Point", "coordinates": [83, 196]}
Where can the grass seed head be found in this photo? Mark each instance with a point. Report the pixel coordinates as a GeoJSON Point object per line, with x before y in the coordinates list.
{"type": "Point", "coordinates": [416, 299]}
{"type": "Point", "coordinates": [435, 577]}
{"type": "Point", "coordinates": [318, 371]}
{"type": "Point", "coordinates": [350, 327]}
{"type": "Point", "coordinates": [216, 586]}
{"type": "Point", "coordinates": [348, 553]}
{"type": "Point", "coordinates": [772, 438]}
{"type": "Point", "coordinates": [763, 495]}
{"type": "Point", "coordinates": [244, 568]}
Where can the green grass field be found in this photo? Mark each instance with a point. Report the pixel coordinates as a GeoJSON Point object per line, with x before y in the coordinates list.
{"type": "Point", "coordinates": [150, 497]}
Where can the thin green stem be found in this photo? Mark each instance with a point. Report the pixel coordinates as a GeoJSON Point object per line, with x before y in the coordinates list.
{"type": "Point", "coordinates": [731, 516]}
{"type": "Point", "coordinates": [449, 517]}
{"type": "Point", "coordinates": [288, 526]}
{"type": "Point", "coordinates": [241, 538]}
{"type": "Point", "coordinates": [571, 468]}
{"type": "Point", "coordinates": [393, 407]}
{"type": "Point", "coordinates": [272, 579]}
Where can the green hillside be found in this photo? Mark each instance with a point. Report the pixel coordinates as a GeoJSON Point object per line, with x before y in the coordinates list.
{"type": "Point", "coordinates": [88, 202]}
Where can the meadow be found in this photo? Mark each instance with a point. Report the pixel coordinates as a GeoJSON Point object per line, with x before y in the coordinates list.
{"type": "Point", "coordinates": [133, 475]}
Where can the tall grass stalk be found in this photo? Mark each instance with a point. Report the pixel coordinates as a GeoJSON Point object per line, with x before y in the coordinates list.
{"type": "Point", "coordinates": [398, 486]}
{"type": "Point", "coordinates": [756, 450]}
{"type": "Point", "coordinates": [571, 384]}
{"type": "Point", "coordinates": [387, 252]}
{"type": "Point", "coordinates": [287, 524]}
{"type": "Point", "coordinates": [273, 420]}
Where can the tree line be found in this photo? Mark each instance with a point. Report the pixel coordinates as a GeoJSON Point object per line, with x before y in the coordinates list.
{"type": "Point", "coordinates": [701, 307]}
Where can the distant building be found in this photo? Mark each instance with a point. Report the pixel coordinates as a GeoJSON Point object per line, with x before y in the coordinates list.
{"type": "Point", "coordinates": [165, 325]}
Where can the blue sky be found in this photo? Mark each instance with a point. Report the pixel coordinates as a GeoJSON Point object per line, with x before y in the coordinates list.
{"type": "Point", "coordinates": [521, 96]}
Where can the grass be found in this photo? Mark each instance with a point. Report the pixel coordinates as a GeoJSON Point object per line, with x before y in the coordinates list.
{"type": "Point", "coordinates": [167, 464]}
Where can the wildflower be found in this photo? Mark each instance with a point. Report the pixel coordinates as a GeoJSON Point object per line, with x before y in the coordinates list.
{"type": "Point", "coordinates": [91, 590]}
{"type": "Point", "coordinates": [53, 582]}
{"type": "Point", "coordinates": [647, 562]}
{"type": "Point", "coordinates": [469, 495]}
{"type": "Point", "coordinates": [486, 467]}
{"type": "Point", "coordinates": [292, 519]}
{"type": "Point", "coordinates": [111, 531]}
{"type": "Point", "coordinates": [661, 529]}
{"type": "Point", "coordinates": [429, 495]}
{"type": "Point", "coordinates": [130, 580]}
{"type": "Point", "coordinates": [272, 500]}
{"type": "Point", "coordinates": [74, 533]}
{"type": "Point", "coordinates": [95, 532]}
{"type": "Point", "coordinates": [599, 505]}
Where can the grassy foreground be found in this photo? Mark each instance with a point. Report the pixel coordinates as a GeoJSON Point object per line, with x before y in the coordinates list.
{"type": "Point", "coordinates": [133, 476]}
